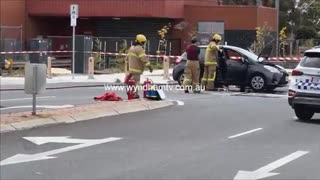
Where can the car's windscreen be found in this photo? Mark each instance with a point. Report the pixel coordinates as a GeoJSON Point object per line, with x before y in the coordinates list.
{"type": "Point", "coordinates": [311, 60]}
{"type": "Point", "coordinates": [250, 55]}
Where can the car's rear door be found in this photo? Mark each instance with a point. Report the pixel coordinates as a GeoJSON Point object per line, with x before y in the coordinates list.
{"type": "Point", "coordinates": [236, 68]}
{"type": "Point", "coordinates": [306, 77]}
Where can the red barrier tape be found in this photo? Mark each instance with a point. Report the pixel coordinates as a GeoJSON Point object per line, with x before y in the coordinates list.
{"type": "Point", "coordinates": [34, 52]}
{"type": "Point", "coordinates": [123, 54]}
{"type": "Point", "coordinates": [273, 58]}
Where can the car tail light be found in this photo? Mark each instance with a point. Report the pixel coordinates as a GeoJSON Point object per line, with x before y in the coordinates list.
{"type": "Point", "coordinates": [296, 73]}
{"type": "Point", "coordinates": [291, 92]}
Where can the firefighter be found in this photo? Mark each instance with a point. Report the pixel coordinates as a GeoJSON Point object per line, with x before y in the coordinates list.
{"type": "Point", "coordinates": [138, 60]}
{"type": "Point", "coordinates": [192, 69]}
{"type": "Point", "coordinates": [210, 64]}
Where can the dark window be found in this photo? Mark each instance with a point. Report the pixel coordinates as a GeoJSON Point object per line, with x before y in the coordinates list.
{"type": "Point", "coordinates": [311, 60]}
{"type": "Point", "coordinates": [233, 55]}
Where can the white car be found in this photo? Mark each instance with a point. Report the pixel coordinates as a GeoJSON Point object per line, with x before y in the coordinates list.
{"type": "Point", "coordinates": [304, 89]}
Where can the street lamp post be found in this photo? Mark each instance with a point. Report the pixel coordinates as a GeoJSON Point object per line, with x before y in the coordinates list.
{"type": "Point", "coordinates": [277, 28]}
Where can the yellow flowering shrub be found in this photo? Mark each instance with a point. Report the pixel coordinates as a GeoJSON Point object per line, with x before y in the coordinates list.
{"type": "Point", "coordinates": [163, 41]}
{"type": "Point", "coordinates": [283, 40]}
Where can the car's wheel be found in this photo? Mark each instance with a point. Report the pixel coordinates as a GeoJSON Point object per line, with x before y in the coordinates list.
{"type": "Point", "coordinates": [303, 114]}
{"type": "Point", "coordinates": [180, 79]}
{"type": "Point", "coordinates": [258, 82]}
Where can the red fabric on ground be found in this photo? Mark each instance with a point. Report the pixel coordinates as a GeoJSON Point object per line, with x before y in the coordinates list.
{"type": "Point", "coordinates": [109, 96]}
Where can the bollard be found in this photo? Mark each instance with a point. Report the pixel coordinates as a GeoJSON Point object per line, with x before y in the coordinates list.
{"type": "Point", "coordinates": [166, 65]}
{"type": "Point", "coordinates": [90, 68]}
{"type": "Point", "coordinates": [49, 72]}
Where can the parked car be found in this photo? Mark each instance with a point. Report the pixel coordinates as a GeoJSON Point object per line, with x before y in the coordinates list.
{"type": "Point", "coordinates": [304, 88]}
{"type": "Point", "coordinates": [245, 69]}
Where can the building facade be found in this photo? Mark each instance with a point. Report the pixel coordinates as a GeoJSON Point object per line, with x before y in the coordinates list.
{"type": "Point", "coordinates": [123, 19]}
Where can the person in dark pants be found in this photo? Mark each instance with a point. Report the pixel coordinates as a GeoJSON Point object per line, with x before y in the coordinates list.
{"type": "Point", "coordinates": [222, 69]}
{"type": "Point", "coordinates": [192, 69]}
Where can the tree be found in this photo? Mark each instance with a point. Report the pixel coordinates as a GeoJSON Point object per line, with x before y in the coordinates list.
{"type": "Point", "coordinates": [262, 33]}
{"type": "Point", "coordinates": [305, 32]}
{"type": "Point", "coordinates": [310, 12]}
{"type": "Point", "coordinates": [283, 40]}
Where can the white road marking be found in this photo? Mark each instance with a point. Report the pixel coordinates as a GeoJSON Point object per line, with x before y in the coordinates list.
{"type": "Point", "coordinates": [39, 106]}
{"type": "Point", "coordinates": [58, 139]}
{"type": "Point", "coordinates": [266, 171]}
{"type": "Point", "coordinates": [180, 103]}
{"type": "Point", "coordinates": [244, 133]}
{"type": "Point", "coordinates": [20, 158]}
{"type": "Point", "coordinates": [21, 99]}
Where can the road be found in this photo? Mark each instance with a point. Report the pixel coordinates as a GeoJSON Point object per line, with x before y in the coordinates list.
{"type": "Point", "coordinates": [211, 136]}
{"type": "Point", "coordinates": [17, 101]}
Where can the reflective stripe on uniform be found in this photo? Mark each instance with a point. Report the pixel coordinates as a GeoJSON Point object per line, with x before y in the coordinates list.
{"type": "Point", "coordinates": [135, 70]}
{"type": "Point", "coordinates": [203, 79]}
{"type": "Point", "coordinates": [132, 54]}
{"type": "Point", "coordinates": [211, 79]}
{"type": "Point", "coordinates": [210, 63]}
{"type": "Point", "coordinates": [142, 55]}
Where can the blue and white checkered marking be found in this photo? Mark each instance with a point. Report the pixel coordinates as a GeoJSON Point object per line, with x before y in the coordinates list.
{"type": "Point", "coordinates": [306, 84]}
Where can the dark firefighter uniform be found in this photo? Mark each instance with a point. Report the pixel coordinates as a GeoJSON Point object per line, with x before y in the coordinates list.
{"type": "Point", "coordinates": [192, 68]}
{"type": "Point", "coordinates": [210, 64]}
{"type": "Point", "coordinates": [137, 59]}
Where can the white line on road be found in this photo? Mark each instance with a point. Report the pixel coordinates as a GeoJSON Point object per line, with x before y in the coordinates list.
{"type": "Point", "coordinates": [39, 106]}
{"type": "Point", "coordinates": [244, 133]}
{"type": "Point", "coordinates": [20, 158]}
{"type": "Point", "coordinates": [180, 103]}
{"type": "Point", "coordinates": [20, 99]}
{"type": "Point", "coordinates": [266, 171]}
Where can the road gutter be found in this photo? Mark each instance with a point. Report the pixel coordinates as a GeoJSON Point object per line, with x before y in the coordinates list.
{"type": "Point", "coordinates": [24, 120]}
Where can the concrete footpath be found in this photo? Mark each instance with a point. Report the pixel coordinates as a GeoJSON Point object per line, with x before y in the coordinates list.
{"type": "Point", "coordinates": [25, 120]}
{"type": "Point", "coordinates": [66, 80]}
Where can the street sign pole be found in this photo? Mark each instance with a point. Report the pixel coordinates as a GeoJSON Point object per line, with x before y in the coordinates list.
{"type": "Point", "coordinates": [34, 94]}
{"type": "Point", "coordinates": [74, 13]}
{"type": "Point", "coordinates": [35, 81]}
{"type": "Point", "coordinates": [73, 50]}
{"type": "Point", "coordinates": [277, 26]}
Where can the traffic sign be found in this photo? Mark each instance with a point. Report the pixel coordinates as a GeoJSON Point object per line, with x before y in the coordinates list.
{"type": "Point", "coordinates": [74, 13]}
{"type": "Point", "coordinates": [74, 10]}
{"type": "Point", "coordinates": [73, 21]}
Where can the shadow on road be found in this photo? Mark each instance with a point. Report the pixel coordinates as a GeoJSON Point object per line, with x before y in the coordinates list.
{"type": "Point", "coordinates": [313, 121]}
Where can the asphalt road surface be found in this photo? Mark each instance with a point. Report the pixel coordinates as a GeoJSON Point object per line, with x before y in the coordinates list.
{"type": "Point", "coordinates": [17, 101]}
{"type": "Point", "coordinates": [209, 136]}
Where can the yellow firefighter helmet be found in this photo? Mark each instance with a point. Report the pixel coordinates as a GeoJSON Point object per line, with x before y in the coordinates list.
{"type": "Point", "coordinates": [216, 37]}
{"type": "Point", "coordinates": [141, 38]}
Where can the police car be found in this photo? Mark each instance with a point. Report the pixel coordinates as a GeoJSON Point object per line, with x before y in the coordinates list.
{"type": "Point", "coordinates": [304, 88]}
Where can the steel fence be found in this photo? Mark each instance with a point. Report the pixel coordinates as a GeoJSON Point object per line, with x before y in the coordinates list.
{"type": "Point", "coordinates": [11, 39]}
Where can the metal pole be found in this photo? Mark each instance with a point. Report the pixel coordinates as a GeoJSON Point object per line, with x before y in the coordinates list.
{"type": "Point", "coordinates": [21, 37]}
{"type": "Point", "coordinates": [277, 26]}
{"type": "Point", "coordinates": [73, 50]}
{"type": "Point", "coordinates": [34, 103]}
{"type": "Point", "coordinates": [116, 46]}
{"type": "Point", "coordinates": [104, 59]}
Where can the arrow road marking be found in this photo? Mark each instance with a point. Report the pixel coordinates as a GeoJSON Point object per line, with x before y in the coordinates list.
{"type": "Point", "coordinates": [244, 133]}
{"type": "Point", "coordinates": [179, 103]}
{"type": "Point", "coordinates": [20, 158]}
{"type": "Point", "coordinates": [266, 170]}
{"type": "Point", "coordinates": [58, 139]}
